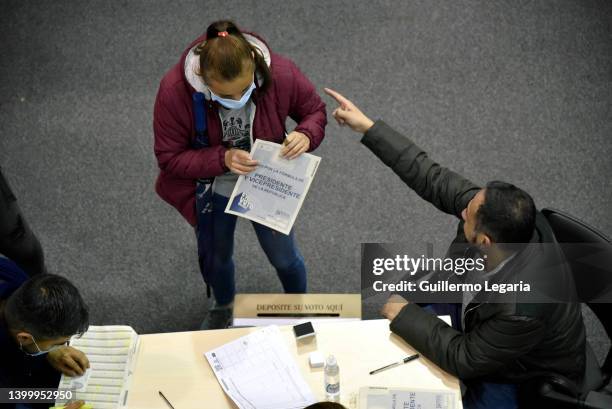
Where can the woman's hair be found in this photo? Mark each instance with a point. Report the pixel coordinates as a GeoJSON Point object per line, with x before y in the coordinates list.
{"type": "Point", "coordinates": [224, 57]}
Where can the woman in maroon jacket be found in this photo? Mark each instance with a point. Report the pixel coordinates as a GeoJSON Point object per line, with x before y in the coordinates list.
{"type": "Point", "coordinates": [227, 90]}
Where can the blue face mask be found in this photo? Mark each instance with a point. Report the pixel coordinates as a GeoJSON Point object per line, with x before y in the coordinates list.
{"type": "Point", "coordinates": [232, 103]}
{"type": "Point", "coordinates": [40, 351]}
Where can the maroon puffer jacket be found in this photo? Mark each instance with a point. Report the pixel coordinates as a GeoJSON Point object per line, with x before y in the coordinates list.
{"type": "Point", "coordinates": [290, 95]}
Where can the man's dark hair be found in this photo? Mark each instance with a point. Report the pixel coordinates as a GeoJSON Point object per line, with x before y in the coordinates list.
{"type": "Point", "coordinates": [326, 405]}
{"type": "Point", "coordinates": [47, 306]}
{"type": "Point", "coordinates": [507, 214]}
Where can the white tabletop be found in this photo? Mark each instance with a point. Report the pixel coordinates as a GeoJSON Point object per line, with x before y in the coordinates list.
{"type": "Point", "coordinates": [175, 364]}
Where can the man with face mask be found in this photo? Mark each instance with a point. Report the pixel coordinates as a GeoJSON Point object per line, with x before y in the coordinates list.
{"type": "Point", "coordinates": [37, 318]}
{"type": "Point", "coordinates": [494, 347]}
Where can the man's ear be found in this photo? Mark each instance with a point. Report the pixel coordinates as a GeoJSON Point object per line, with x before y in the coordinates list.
{"type": "Point", "coordinates": [483, 240]}
{"type": "Point", "coordinates": [24, 338]}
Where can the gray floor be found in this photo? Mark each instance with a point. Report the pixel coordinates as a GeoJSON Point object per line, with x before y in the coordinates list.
{"type": "Point", "coordinates": [511, 90]}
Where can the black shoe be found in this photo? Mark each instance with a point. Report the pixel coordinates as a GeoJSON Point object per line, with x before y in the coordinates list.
{"type": "Point", "coordinates": [218, 317]}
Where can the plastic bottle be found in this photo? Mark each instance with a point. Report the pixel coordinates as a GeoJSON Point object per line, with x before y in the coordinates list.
{"type": "Point", "coordinates": [332, 379]}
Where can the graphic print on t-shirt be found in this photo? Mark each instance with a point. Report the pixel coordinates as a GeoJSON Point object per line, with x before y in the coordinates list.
{"type": "Point", "coordinates": [236, 131]}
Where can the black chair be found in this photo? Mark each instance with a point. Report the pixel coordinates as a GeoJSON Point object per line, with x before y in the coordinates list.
{"type": "Point", "coordinates": [589, 254]}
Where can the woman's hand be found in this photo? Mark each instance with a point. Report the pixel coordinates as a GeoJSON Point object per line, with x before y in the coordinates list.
{"type": "Point", "coordinates": [68, 360]}
{"type": "Point", "coordinates": [239, 161]}
{"type": "Point", "coordinates": [348, 114]}
{"type": "Point", "coordinates": [295, 144]}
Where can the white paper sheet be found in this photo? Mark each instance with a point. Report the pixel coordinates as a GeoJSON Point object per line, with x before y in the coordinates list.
{"type": "Point", "coordinates": [273, 194]}
{"type": "Point", "coordinates": [258, 372]}
{"type": "Point", "coordinates": [446, 318]}
{"type": "Point", "coordinates": [80, 383]}
{"type": "Point", "coordinates": [388, 398]}
{"type": "Point", "coordinates": [110, 350]}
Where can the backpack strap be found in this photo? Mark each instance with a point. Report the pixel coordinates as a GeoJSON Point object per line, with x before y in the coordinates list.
{"type": "Point", "coordinates": [199, 117]}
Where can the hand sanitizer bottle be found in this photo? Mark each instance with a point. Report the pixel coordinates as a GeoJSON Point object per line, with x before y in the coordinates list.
{"type": "Point", "coordinates": [332, 379]}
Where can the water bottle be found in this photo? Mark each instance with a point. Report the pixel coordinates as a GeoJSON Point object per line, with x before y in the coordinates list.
{"type": "Point", "coordinates": [332, 379]}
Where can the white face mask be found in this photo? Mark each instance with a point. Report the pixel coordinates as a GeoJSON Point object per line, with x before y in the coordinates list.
{"type": "Point", "coordinates": [232, 103]}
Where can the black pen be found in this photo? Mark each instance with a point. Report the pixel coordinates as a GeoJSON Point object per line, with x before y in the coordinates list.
{"type": "Point", "coordinates": [164, 398]}
{"type": "Point", "coordinates": [402, 362]}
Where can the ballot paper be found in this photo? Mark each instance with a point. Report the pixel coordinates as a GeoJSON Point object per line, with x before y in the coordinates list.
{"type": "Point", "coordinates": [273, 193]}
{"type": "Point", "coordinates": [258, 372]}
{"type": "Point", "coordinates": [111, 351]}
{"type": "Point", "coordinates": [404, 398]}
{"type": "Point", "coordinates": [79, 383]}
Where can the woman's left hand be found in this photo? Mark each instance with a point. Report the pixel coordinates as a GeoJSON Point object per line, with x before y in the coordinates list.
{"type": "Point", "coordinates": [296, 143]}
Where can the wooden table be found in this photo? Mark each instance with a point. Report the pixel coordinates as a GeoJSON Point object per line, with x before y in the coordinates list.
{"type": "Point", "coordinates": [175, 364]}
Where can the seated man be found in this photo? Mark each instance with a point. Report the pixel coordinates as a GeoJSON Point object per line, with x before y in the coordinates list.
{"type": "Point", "coordinates": [37, 318]}
{"type": "Point", "coordinates": [495, 346]}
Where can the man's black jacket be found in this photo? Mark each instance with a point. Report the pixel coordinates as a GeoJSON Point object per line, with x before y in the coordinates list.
{"type": "Point", "coordinates": [508, 342]}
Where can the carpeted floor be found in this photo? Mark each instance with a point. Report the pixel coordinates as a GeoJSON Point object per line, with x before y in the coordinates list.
{"type": "Point", "coordinates": [512, 90]}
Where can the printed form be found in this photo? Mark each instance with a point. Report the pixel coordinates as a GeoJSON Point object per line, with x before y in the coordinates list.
{"type": "Point", "coordinates": [110, 350]}
{"type": "Point", "coordinates": [258, 372]}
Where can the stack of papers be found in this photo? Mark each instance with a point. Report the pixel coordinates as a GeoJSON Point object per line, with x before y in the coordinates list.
{"type": "Point", "coordinates": [388, 398]}
{"type": "Point", "coordinates": [258, 372]}
{"type": "Point", "coordinates": [110, 350]}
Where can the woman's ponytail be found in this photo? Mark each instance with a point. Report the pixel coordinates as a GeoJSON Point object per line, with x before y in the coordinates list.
{"type": "Point", "coordinates": [224, 52]}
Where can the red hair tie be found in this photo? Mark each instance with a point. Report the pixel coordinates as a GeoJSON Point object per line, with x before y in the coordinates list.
{"type": "Point", "coordinates": [222, 34]}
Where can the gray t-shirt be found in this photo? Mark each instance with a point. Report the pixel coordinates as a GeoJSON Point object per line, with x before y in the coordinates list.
{"type": "Point", "coordinates": [236, 124]}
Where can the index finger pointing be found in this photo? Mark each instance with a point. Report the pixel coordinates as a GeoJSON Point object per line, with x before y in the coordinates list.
{"type": "Point", "coordinates": [338, 97]}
